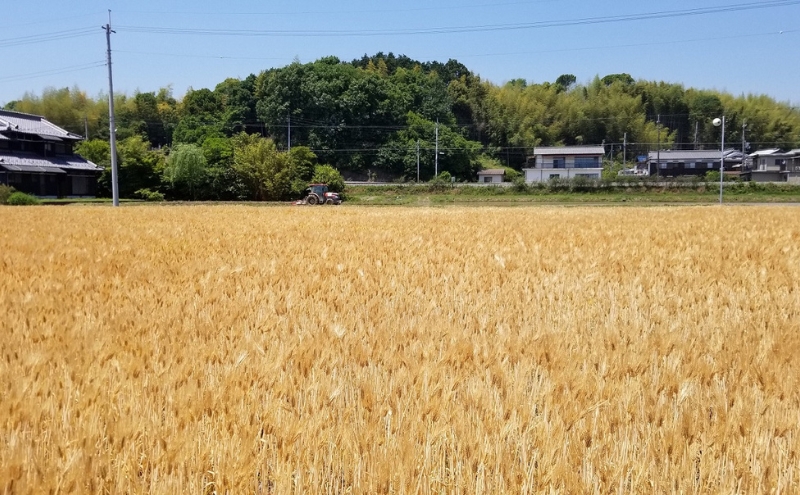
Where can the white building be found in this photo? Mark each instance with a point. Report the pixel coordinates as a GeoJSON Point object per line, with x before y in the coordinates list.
{"type": "Point", "coordinates": [774, 165]}
{"type": "Point", "coordinates": [564, 162]}
{"type": "Point", "coordinates": [491, 176]}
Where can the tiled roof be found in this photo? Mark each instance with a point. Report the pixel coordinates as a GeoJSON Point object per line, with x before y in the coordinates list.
{"type": "Point", "coordinates": [769, 152]}
{"type": "Point", "coordinates": [569, 150]}
{"type": "Point", "coordinates": [33, 124]}
{"type": "Point", "coordinates": [693, 155]}
{"type": "Point", "coordinates": [492, 171]}
{"type": "Point", "coordinates": [73, 162]}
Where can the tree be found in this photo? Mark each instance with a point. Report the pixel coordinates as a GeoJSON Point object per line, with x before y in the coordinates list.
{"type": "Point", "coordinates": [186, 167]}
{"type": "Point", "coordinates": [268, 173]}
{"type": "Point", "coordinates": [565, 81]}
{"type": "Point", "coordinates": [325, 174]}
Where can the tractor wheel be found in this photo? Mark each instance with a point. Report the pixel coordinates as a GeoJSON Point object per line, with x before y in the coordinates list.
{"type": "Point", "coordinates": [328, 201]}
{"type": "Point", "coordinates": [312, 200]}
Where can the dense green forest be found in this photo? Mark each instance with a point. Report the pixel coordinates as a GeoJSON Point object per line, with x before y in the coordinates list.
{"type": "Point", "coordinates": [372, 115]}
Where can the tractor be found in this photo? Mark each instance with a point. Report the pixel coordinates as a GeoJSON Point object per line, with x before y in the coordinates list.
{"type": "Point", "coordinates": [318, 194]}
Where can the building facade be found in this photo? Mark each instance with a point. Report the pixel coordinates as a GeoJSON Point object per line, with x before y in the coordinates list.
{"type": "Point", "coordinates": [676, 163]}
{"type": "Point", "coordinates": [564, 162]}
{"type": "Point", "coordinates": [36, 157]}
{"type": "Point", "coordinates": [491, 176]}
{"type": "Point", "coordinates": [774, 165]}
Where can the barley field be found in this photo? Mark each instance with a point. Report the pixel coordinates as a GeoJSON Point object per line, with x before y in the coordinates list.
{"type": "Point", "coordinates": [286, 350]}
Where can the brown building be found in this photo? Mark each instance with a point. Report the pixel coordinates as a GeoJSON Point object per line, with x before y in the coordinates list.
{"type": "Point", "coordinates": [36, 157]}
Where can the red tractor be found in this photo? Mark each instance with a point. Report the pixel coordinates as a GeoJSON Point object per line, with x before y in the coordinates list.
{"type": "Point", "coordinates": [318, 194]}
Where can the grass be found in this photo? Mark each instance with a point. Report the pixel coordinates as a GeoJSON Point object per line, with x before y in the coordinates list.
{"type": "Point", "coordinates": [236, 349]}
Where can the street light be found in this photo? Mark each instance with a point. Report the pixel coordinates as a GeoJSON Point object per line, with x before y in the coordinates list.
{"type": "Point", "coordinates": [717, 122]}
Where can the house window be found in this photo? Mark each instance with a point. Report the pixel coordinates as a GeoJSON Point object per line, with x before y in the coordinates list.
{"type": "Point", "coordinates": [487, 178]}
{"type": "Point", "coordinates": [559, 162]}
{"type": "Point", "coordinates": [586, 162]}
{"type": "Point", "coordinates": [690, 165]}
{"type": "Point", "coordinates": [662, 166]}
{"type": "Point", "coordinates": [588, 176]}
{"type": "Point", "coordinates": [555, 176]}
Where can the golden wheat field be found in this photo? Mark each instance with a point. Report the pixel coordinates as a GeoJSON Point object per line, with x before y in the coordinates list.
{"type": "Point", "coordinates": [240, 349]}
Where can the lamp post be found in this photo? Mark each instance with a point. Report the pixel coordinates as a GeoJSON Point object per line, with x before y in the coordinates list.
{"type": "Point", "coordinates": [717, 122]}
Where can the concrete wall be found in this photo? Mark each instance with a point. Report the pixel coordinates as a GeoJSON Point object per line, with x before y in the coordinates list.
{"type": "Point", "coordinates": [544, 174]}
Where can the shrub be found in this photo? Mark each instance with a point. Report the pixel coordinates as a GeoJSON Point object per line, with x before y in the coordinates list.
{"type": "Point", "coordinates": [148, 195]}
{"type": "Point", "coordinates": [325, 174]}
{"type": "Point", "coordinates": [21, 199]}
{"type": "Point", "coordinates": [441, 182]}
{"type": "Point", "coordinates": [520, 185]}
{"type": "Point", "coordinates": [5, 192]}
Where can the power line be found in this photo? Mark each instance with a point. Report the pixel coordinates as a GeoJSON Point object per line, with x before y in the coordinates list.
{"type": "Point", "coordinates": [44, 37]}
{"type": "Point", "coordinates": [340, 12]}
{"type": "Point", "coordinates": [464, 29]}
{"type": "Point", "coordinates": [50, 72]}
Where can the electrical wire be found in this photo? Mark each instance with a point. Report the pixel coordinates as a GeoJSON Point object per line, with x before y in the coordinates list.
{"type": "Point", "coordinates": [50, 72]}
{"type": "Point", "coordinates": [44, 37]}
{"type": "Point", "coordinates": [462, 29]}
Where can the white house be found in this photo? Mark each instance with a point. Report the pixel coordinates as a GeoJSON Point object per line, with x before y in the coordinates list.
{"type": "Point", "coordinates": [564, 162]}
{"type": "Point", "coordinates": [491, 176]}
{"type": "Point", "coordinates": [774, 165]}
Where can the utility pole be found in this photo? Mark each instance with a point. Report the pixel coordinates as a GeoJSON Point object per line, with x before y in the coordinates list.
{"type": "Point", "coordinates": [85, 128]}
{"type": "Point", "coordinates": [696, 129]}
{"type": "Point", "coordinates": [744, 147]}
{"type": "Point", "coordinates": [436, 159]}
{"type": "Point", "coordinates": [111, 124]}
{"type": "Point", "coordinates": [289, 132]}
{"type": "Point", "coordinates": [658, 146]}
{"type": "Point", "coordinates": [417, 160]}
{"type": "Point", "coordinates": [625, 150]}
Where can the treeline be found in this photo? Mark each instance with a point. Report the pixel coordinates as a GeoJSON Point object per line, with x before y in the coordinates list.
{"type": "Point", "coordinates": [381, 114]}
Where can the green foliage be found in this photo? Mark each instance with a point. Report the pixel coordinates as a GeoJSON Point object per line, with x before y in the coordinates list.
{"type": "Point", "coordinates": [21, 199]}
{"type": "Point", "coordinates": [96, 150]}
{"type": "Point", "coordinates": [325, 174]}
{"type": "Point", "coordinates": [148, 195]}
{"type": "Point", "coordinates": [266, 172]}
{"type": "Point", "coordinates": [186, 169]}
{"type": "Point", "coordinates": [380, 108]}
{"type": "Point", "coordinates": [712, 176]}
{"type": "Point", "coordinates": [519, 185]}
{"type": "Point", "coordinates": [5, 192]}
{"type": "Point", "coordinates": [611, 170]}
{"type": "Point", "coordinates": [139, 167]}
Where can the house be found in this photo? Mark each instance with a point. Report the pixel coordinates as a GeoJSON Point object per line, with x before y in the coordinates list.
{"type": "Point", "coordinates": [674, 163]}
{"type": "Point", "coordinates": [564, 162]}
{"type": "Point", "coordinates": [36, 157]}
{"type": "Point", "coordinates": [491, 176]}
{"type": "Point", "coordinates": [774, 165]}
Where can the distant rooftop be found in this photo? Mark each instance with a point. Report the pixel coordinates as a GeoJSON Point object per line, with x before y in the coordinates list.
{"type": "Point", "coordinates": [34, 124]}
{"type": "Point", "coordinates": [693, 155]}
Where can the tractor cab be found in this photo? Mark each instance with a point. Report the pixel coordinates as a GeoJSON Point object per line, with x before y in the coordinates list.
{"type": "Point", "coordinates": [318, 194]}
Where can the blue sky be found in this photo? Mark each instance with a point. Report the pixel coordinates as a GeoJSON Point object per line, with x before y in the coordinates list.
{"type": "Point", "coordinates": [702, 44]}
